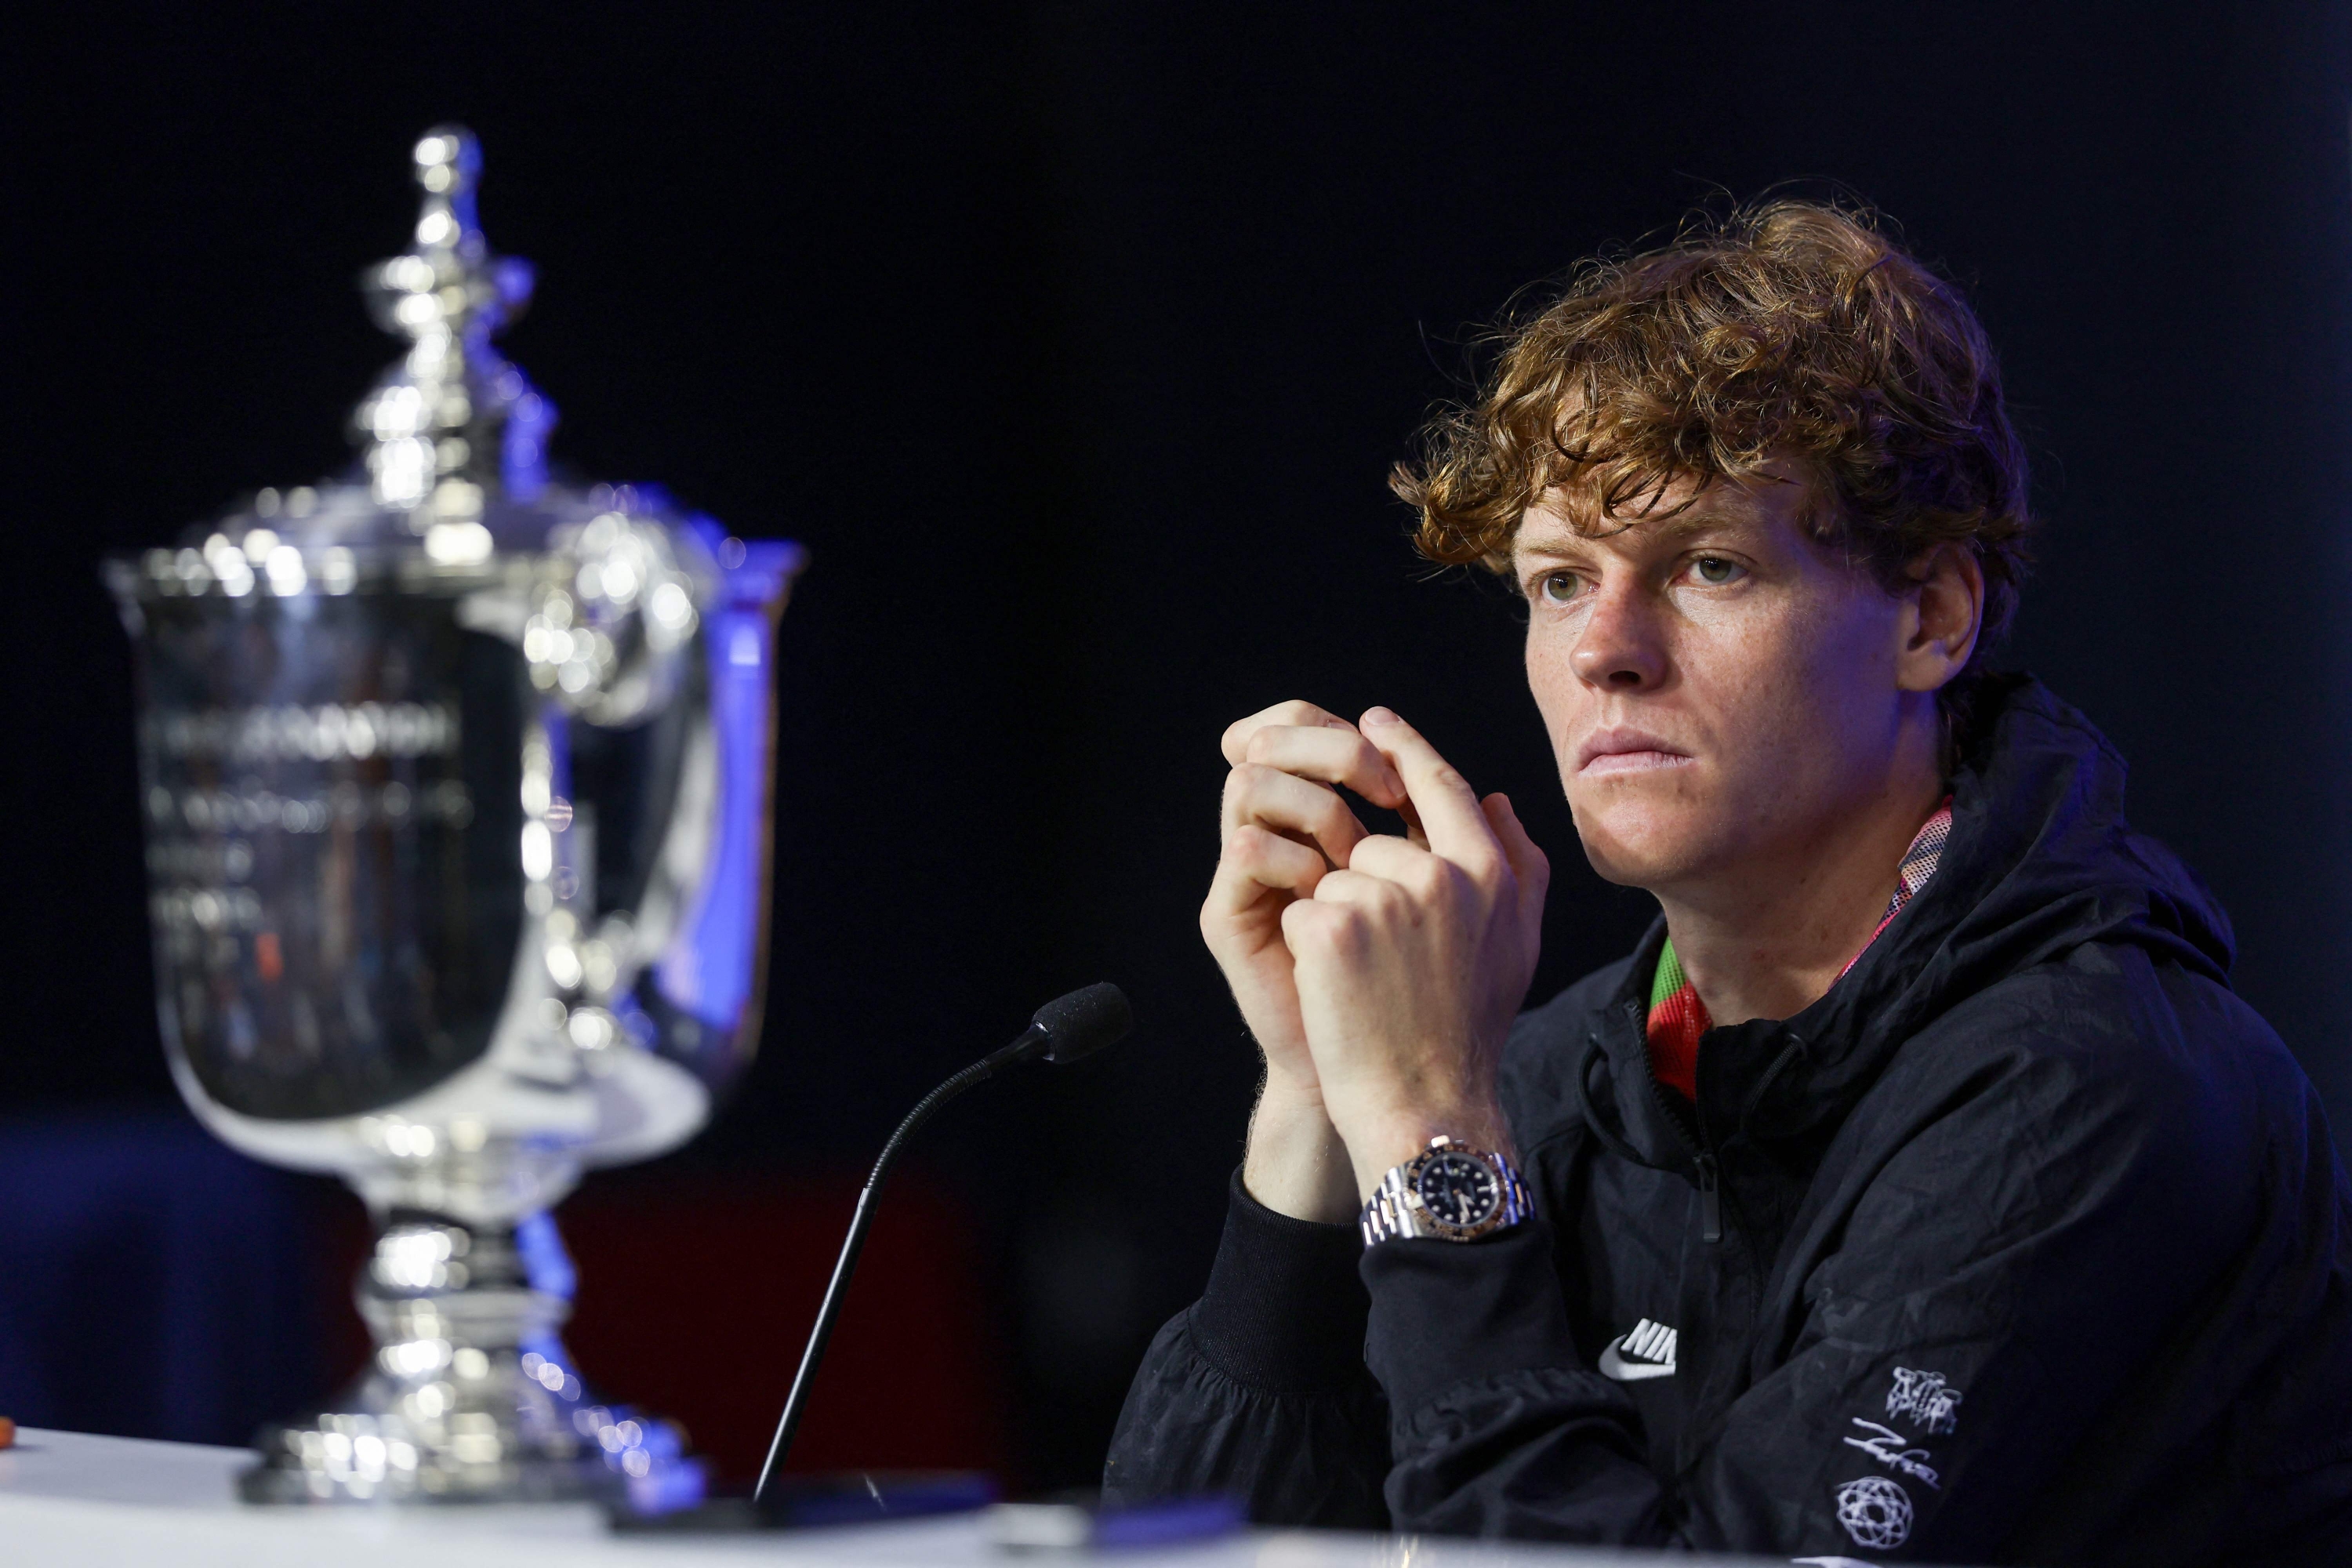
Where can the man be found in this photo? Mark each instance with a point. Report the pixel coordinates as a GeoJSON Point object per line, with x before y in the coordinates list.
{"type": "Point", "coordinates": [1917, 1188]}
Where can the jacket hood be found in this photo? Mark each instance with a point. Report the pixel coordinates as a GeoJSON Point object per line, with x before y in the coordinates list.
{"type": "Point", "coordinates": [2040, 861]}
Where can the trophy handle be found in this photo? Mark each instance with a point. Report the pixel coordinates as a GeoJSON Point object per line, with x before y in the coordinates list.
{"type": "Point", "coordinates": [693, 985]}
{"type": "Point", "coordinates": [654, 988]}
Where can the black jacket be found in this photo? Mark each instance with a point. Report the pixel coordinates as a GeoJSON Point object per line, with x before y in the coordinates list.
{"type": "Point", "coordinates": [2032, 1247]}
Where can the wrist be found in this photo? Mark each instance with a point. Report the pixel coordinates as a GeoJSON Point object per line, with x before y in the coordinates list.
{"type": "Point", "coordinates": [1296, 1163]}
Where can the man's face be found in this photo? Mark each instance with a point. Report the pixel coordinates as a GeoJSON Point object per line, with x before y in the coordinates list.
{"type": "Point", "coordinates": [1720, 690]}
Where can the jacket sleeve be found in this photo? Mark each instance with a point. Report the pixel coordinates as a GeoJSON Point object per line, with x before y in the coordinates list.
{"type": "Point", "coordinates": [1974, 1333]}
{"type": "Point", "coordinates": [1259, 1390]}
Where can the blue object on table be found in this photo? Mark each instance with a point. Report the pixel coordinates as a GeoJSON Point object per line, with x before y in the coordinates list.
{"type": "Point", "coordinates": [1165, 1523]}
{"type": "Point", "coordinates": [814, 1503]}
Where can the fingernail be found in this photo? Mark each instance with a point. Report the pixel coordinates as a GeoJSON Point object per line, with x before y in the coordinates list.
{"type": "Point", "coordinates": [1381, 716]}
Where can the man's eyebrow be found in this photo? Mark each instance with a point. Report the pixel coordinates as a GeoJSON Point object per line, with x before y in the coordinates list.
{"type": "Point", "coordinates": [1556, 543]}
{"type": "Point", "coordinates": [1706, 520]}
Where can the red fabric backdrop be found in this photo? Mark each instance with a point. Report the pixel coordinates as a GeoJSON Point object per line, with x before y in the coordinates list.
{"type": "Point", "coordinates": [697, 1295]}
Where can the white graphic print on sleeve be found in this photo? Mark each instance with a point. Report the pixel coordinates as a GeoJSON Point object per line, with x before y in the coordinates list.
{"type": "Point", "coordinates": [1875, 1512]}
{"type": "Point", "coordinates": [1924, 1399]}
{"type": "Point", "coordinates": [1886, 1445]}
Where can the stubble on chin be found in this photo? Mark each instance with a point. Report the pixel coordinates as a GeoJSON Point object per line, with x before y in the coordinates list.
{"type": "Point", "coordinates": [1637, 835]}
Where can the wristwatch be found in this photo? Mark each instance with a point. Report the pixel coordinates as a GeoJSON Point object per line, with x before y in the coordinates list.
{"type": "Point", "coordinates": [1449, 1191]}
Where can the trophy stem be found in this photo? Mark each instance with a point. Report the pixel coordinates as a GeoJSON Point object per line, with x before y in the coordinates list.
{"type": "Point", "coordinates": [471, 1395]}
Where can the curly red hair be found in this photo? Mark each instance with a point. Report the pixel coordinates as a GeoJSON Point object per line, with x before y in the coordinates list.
{"type": "Point", "coordinates": [1786, 329]}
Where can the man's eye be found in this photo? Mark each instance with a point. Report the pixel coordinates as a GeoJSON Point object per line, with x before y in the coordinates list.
{"type": "Point", "coordinates": [1714, 571]}
{"type": "Point", "coordinates": [1558, 587]}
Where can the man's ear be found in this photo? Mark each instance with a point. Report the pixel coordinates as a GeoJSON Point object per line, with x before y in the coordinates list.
{"type": "Point", "coordinates": [1946, 597]}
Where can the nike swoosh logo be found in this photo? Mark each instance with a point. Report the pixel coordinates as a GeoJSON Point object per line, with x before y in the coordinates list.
{"type": "Point", "coordinates": [1614, 1365]}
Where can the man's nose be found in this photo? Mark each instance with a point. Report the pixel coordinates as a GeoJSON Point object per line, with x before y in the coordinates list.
{"type": "Point", "coordinates": [1618, 650]}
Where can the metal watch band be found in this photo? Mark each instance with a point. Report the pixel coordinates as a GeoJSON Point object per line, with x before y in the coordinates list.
{"type": "Point", "coordinates": [1396, 1211]}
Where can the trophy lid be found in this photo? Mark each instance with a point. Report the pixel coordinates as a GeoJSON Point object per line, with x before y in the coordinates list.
{"type": "Point", "coordinates": [452, 424]}
{"type": "Point", "coordinates": [452, 486]}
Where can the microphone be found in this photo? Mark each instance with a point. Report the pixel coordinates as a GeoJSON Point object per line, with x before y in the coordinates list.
{"type": "Point", "coordinates": [1062, 1030]}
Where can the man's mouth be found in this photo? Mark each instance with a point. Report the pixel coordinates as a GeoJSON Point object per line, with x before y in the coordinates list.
{"type": "Point", "coordinates": [1610, 752]}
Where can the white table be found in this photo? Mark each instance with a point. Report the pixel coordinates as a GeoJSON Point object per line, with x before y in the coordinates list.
{"type": "Point", "coordinates": [80, 1501]}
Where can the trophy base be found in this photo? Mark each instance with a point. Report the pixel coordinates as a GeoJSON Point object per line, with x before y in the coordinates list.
{"type": "Point", "coordinates": [470, 1396]}
{"type": "Point", "coordinates": [369, 1450]}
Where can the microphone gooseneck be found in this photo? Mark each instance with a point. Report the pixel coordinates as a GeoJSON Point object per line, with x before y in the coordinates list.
{"type": "Point", "coordinates": [1062, 1030]}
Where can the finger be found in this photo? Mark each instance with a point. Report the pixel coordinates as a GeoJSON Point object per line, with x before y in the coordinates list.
{"type": "Point", "coordinates": [1285, 715]}
{"type": "Point", "coordinates": [1394, 859]}
{"type": "Point", "coordinates": [1442, 799]}
{"type": "Point", "coordinates": [1313, 929]}
{"type": "Point", "coordinates": [1337, 756]}
{"type": "Point", "coordinates": [1529, 864]}
{"type": "Point", "coordinates": [1355, 887]}
{"type": "Point", "coordinates": [1296, 808]}
{"type": "Point", "coordinates": [1256, 859]}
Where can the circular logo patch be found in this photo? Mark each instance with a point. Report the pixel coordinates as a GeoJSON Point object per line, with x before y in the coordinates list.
{"type": "Point", "coordinates": [1875, 1512]}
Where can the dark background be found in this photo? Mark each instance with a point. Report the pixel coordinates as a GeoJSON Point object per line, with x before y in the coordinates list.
{"type": "Point", "coordinates": [1075, 341]}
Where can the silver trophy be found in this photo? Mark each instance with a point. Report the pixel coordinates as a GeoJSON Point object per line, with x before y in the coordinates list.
{"type": "Point", "coordinates": [457, 805]}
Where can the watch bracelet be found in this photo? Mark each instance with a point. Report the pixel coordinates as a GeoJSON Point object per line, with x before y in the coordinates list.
{"type": "Point", "coordinates": [1388, 1217]}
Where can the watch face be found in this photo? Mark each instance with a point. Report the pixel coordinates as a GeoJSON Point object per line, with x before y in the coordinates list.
{"type": "Point", "coordinates": [1459, 1189]}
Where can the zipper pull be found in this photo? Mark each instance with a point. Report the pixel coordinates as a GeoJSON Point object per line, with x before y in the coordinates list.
{"type": "Point", "coordinates": [1710, 1201]}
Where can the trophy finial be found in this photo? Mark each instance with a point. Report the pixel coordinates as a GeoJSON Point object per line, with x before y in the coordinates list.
{"type": "Point", "coordinates": [453, 424]}
{"type": "Point", "coordinates": [448, 164]}
{"type": "Point", "coordinates": [448, 161]}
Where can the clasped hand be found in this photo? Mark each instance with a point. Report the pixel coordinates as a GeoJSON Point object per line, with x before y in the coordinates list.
{"type": "Point", "coordinates": [1378, 974]}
